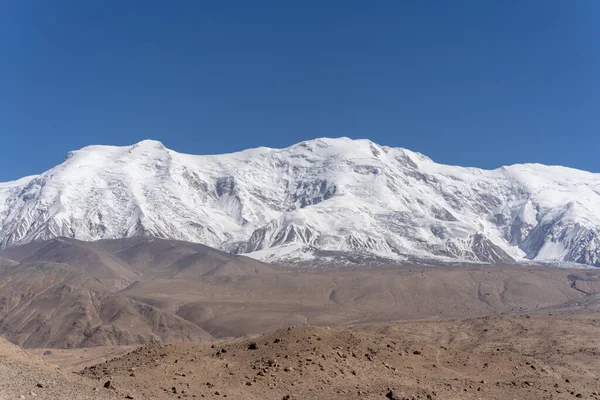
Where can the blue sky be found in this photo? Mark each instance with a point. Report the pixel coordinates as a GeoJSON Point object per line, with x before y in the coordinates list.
{"type": "Point", "coordinates": [476, 83]}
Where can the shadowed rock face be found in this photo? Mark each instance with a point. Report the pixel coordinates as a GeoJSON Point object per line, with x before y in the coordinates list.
{"type": "Point", "coordinates": [352, 198]}
{"type": "Point", "coordinates": [485, 250]}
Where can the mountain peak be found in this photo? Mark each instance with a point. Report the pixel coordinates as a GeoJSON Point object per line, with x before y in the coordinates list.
{"type": "Point", "coordinates": [318, 201]}
{"type": "Point", "coordinates": [149, 144]}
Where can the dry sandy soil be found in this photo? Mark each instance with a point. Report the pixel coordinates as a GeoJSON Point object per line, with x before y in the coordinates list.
{"type": "Point", "coordinates": [540, 357]}
{"type": "Point", "coordinates": [23, 376]}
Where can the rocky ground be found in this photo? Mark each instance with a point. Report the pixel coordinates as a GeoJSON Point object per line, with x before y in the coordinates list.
{"type": "Point", "coordinates": [542, 357]}
{"type": "Point", "coordinates": [23, 376]}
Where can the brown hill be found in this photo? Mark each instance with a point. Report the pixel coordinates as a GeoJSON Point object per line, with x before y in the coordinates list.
{"type": "Point", "coordinates": [489, 358]}
{"type": "Point", "coordinates": [160, 258]}
{"type": "Point", "coordinates": [98, 264]}
{"type": "Point", "coordinates": [182, 291]}
{"type": "Point", "coordinates": [259, 303]}
{"type": "Point", "coordinates": [47, 304]}
{"type": "Point", "coordinates": [130, 259]}
{"type": "Point", "coordinates": [65, 293]}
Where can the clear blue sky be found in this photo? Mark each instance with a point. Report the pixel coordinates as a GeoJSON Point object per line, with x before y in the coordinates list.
{"type": "Point", "coordinates": [476, 83]}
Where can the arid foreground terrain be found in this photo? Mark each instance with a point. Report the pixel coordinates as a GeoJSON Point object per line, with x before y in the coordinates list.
{"type": "Point", "coordinates": [156, 319]}
{"type": "Point", "coordinates": [508, 357]}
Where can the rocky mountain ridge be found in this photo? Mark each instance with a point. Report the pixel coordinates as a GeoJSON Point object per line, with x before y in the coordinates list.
{"type": "Point", "coordinates": [315, 202]}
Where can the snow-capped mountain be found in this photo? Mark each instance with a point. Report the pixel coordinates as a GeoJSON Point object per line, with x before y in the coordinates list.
{"type": "Point", "coordinates": [315, 201]}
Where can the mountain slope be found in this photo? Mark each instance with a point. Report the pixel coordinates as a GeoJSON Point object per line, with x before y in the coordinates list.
{"type": "Point", "coordinates": [103, 266]}
{"type": "Point", "coordinates": [47, 304]}
{"type": "Point", "coordinates": [317, 201]}
{"type": "Point", "coordinates": [25, 376]}
{"type": "Point", "coordinates": [118, 263]}
{"type": "Point", "coordinates": [68, 293]}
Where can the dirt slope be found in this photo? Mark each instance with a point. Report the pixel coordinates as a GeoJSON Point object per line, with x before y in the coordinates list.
{"type": "Point", "coordinates": [259, 303]}
{"type": "Point", "coordinates": [488, 358]}
{"type": "Point", "coordinates": [161, 258]}
{"type": "Point", "coordinates": [56, 305]}
{"type": "Point", "coordinates": [101, 265]}
{"type": "Point", "coordinates": [122, 261]}
{"type": "Point", "coordinates": [66, 293]}
{"type": "Point", "coordinates": [23, 376]}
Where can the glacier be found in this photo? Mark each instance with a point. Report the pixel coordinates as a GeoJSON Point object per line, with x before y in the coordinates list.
{"type": "Point", "coordinates": [316, 202]}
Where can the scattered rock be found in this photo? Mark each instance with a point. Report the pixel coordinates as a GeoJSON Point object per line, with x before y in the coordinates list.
{"type": "Point", "coordinates": [252, 346]}
{"type": "Point", "coordinates": [394, 396]}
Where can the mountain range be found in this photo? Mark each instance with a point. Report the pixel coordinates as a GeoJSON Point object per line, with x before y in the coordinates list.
{"type": "Point", "coordinates": [319, 202]}
{"type": "Point", "coordinates": [69, 293]}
